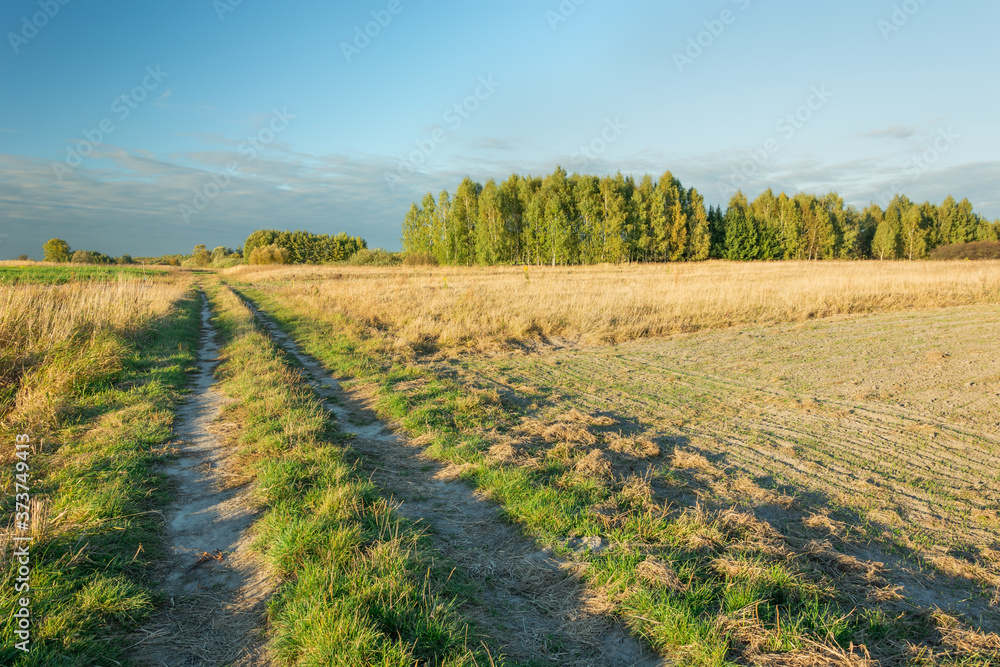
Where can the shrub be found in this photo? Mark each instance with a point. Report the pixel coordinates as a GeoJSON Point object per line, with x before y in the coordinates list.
{"type": "Point", "coordinates": [270, 254]}
{"type": "Point", "coordinates": [974, 250]}
{"type": "Point", "coordinates": [419, 259]}
{"type": "Point", "coordinates": [82, 257]}
{"type": "Point", "coordinates": [376, 257]}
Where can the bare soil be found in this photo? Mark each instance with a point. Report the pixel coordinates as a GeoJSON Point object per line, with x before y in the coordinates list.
{"type": "Point", "coordinates": [880, 433]}
{"type": "Point", "coordinates": [216, 589]}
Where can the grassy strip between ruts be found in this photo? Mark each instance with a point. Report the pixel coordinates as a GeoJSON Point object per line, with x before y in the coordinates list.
{"type": "Point", "coordinates": [359, 586]}
{"type": "Point", "coordinates": [705, 588]}
{"type": "Point", "coordinates": [95, 496]}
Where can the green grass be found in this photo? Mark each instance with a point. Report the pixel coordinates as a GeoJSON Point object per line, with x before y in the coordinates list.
{"type": "Point", "coordinates": [793, 601]}
{"type": "Point", "coordinates": [90, 571]}
{"type": "Point", "coordinates": [358, 585]}
{"type": "Point", "coordinates": [59, 275]}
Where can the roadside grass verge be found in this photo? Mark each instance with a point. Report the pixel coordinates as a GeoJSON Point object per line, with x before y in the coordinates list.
{"type": "Point", "coordinates": [707, 587]}
{"type": "Point", "coordinates": [358, 584]}
{"type": "Point", "coordinates": [104, 367]}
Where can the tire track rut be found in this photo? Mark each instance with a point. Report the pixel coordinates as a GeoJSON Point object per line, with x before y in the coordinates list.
{"type": "Point", "coordinates": [216, 590]}
{"type": "Point", "coordinates": [530, 603]}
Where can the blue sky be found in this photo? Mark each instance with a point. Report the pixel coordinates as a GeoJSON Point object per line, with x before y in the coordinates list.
{"type": "Point", "coordinates": [202, 120]}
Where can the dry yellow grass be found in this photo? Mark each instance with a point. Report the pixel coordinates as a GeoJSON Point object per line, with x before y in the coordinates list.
{"type": "Point", "coordinates": [493, 308]}
{"type": "Point", "coordinates": [53, 337]}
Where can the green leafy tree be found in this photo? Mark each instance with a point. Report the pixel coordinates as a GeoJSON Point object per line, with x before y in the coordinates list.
{"type": "Point", "coordinates": [671, 233]}
{"type": "Point", "coordinates": [533, 227]}
{"type": "Point", "coordinates": [200, 255]}
{"type": "Point", "coordinates": [647, 206]}
{"type": "Point", "coordinates": [83, 257]}
{"type": "Point", "coordinates": [615, 219]}
{"type": "Point", "coordinates": [462, 222]}
{"type": "Point", "coordinates": [415, 237]}
{"type": "Point", "coordinates": [587, 194]}
{"type": "Point", "coordinates": [888, 240]}
{"type": "Point", "coordinates": [790, 226]}
{"type": "Point", "coordinates": [56, 250]}
{"type": "Point", "coordinates": [269, 254]}
{"type": "Point", "coordinates": [742, 242]}
{"type": "Point", "coordinates": [491, 239]}
{"type": "Point", "coordinates": [699, 234]}
{"type": "Point", "coordinates": [439, 229]}
{"type": "Point", "coordinates": [510, 193]}
{"type": "Point", "coordinates": [559, 219]}
{"type": "Point", "coordinates": [304, 247]}
{"type": "Point", "coordinates": [916, 224]}
{"type": "Point", "coordinates": [766, 210]}
{"type": "Point", "coordinates": [717, 232]}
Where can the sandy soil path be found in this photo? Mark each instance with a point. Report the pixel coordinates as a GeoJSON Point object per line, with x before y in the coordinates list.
{"type": "Point", "coordinates": [216, 589]}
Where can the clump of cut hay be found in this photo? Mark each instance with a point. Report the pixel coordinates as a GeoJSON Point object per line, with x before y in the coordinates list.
{"type": "Point", "coordinates": [560, 431]}
{"type": "Point", "coordinates": [956, 567]}
{"type": "Point", "coordinates": [820, 521]}
{"type": "Point", "coordinates": [746, 488]}
{"type": "Point", "coordinates": [638, 446]}
{"type": "Point", "coordinates": [594, 463]}
{"type": "Point", "coordinates": [637, 490]}
{"type": "Point", "coordinates": [869, 572]}
{"type": "Point", "coordinates": [503, 452]}
{"type": "Point", "coordinates": [685, 460]}
{"type": "Point", "coordinates": [738, 569]}
{"type": "Point", "coordinates": [659, 573]}
{"type": "Point", "coordinates": [697, 530]}
{"type": "Point", "coordinates": [575, 415]}
{"type": "Point", "coordinates": [818, 656]}
{"type": "Point", "coordinates": [745, 524]}
{"type": "Point", "coordinates": [966, 642]}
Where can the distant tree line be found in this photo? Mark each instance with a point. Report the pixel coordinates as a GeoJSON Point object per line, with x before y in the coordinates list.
{"type": "Point", "coordinates": [58, 250]}
{"type": "Point", "coordinates": [581, 219]}
{"type": "Point", "coordinates": [261, 247]}
{"type": "Point", "coordinates": [299, 247]}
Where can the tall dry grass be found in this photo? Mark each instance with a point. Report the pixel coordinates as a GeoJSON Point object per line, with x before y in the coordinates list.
{"type": "Point", "coordinates": [494, 308]}
{"type": "Point", "coordinates": [57, 339]}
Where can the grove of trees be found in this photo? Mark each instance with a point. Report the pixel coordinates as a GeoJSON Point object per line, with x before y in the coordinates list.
{"type": "Point", "coordinates": [58, 250]}
{"type": "Point", "coordinates": [582, 219]}
{"type": "Point", "coordinates": [303, 247]}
